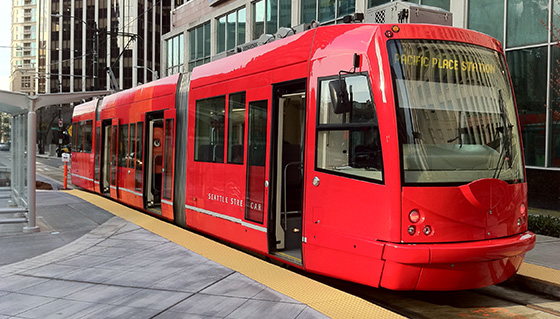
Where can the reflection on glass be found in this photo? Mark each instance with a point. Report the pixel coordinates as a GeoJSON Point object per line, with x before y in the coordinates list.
{"type": "Point", "coordinates": [456, 117]}
{"type": "Point", "coordinates": [256, 160]}
{"type": "Point", "coordinates": [527, 68]}
{"type": "Point", "coordinates": [524, 25]}
{"type": "Point", "coordinates": [487, 17]}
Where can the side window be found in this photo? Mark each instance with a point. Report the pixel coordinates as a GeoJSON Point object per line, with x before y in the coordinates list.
{"type": "Point", "coordinates": [80, 137]}
{"type": "Point", "coordinates": [123, 145]}
{"type": "Point", "coordinates": [210, 130]}
{"type": "Point", "coordinates": [131, 145]}
{"type": "Point", "coordinates": [236, 128]}
{"type": "Point", "coordinates": [348, 141]}
{"type": "Point", "coordinates": [139, 145]}
{"type": "Point", "coordinates": [88, 131]}
{"type": "Point", "coordinates": [75, 137]}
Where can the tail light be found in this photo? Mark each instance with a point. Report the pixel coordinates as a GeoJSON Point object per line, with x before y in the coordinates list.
{"type": "Point", "coordinates": [414, 216]}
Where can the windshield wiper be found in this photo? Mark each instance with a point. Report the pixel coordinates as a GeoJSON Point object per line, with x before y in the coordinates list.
{"type": "Point", "coordinates": [506, 129]}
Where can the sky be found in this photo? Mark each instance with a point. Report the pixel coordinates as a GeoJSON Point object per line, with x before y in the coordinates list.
{"type": "Point", "coordinates": [5, 41]}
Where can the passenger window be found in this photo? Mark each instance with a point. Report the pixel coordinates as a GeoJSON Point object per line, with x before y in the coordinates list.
{"type": "Point", "coordinates": [88, 131]}
{"type": "Point", "coordinates": [236, 128]}
{"type": "Point", "coordinates": [80, 137]}
{"type": "Point", "coordinates": [131, 145]}
{"type": "Point", "coordinates": [210, 130]}
{"type": "Point", "coordinates": [348, 141]}
{"type": "Point", "coordinates": [75, 137]}
{"type": "Point", "coordinates": [123, 144]}
{"type": "Point", "coordinates": [139, 144]}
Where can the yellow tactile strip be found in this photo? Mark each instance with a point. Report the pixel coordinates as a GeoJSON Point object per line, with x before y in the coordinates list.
{"type": "Point", "coordinates": [541, 273]}
{"type": "Point", "coordinates": [327, 300]}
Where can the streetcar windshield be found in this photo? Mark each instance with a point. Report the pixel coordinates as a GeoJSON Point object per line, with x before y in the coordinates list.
{"type": "Point", "coordinates": [456, 116]}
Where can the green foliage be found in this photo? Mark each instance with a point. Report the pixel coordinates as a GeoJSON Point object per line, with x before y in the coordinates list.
{"type": "Point", "coordinates": [544, 225]}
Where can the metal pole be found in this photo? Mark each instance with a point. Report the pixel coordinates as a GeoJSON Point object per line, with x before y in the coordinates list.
{"type": "Point", "coordinates": [31, 172]}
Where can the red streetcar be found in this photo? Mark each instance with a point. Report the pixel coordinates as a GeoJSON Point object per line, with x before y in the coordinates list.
{"type": "Point", "coordinates": [387, 155]}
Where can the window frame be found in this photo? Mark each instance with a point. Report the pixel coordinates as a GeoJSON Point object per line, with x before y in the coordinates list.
{"type": "Point", "coordinates": [348, 127]}
{"type": "Point", "coordinates": [197, 120]}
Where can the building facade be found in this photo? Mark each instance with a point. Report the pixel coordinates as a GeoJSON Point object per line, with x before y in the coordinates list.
{"type": "Point", "coordinates": [88, 38]}
{"type": "Point", "coordinates": [24, 56]}
{"type": "Point", "coordinates": [202, 30]}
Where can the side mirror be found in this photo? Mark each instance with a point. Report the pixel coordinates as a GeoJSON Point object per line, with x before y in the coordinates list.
{"type": "Point", "coordinates": [339, 96]}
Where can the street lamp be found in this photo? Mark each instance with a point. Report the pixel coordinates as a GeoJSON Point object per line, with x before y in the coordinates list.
{"type": "Point", "coordinates": [154, 73]}
{"type": "Point", "coordinates": [95, 45]}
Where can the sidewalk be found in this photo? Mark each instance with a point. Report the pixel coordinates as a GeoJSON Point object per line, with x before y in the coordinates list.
{"type": "Point", "coordinates": [106, 267]}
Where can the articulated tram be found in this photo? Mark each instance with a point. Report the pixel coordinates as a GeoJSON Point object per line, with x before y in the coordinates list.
{"type": "Point", "coordinates": [388, 155]}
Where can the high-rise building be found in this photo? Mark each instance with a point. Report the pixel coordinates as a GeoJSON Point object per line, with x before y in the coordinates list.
{"type": "Point", "coordinates": [24, 66]}
{"type": "Point", "coordinates": [88, 38]}
{"type": "Point", "coordinates": [201, 30]}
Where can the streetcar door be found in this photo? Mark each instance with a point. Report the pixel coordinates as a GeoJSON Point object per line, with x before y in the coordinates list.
{"type": "Point", "coordinates": [287, 161]}
{"type": "Point", "coordinates": [167, 170]}
{"type": "Point", "coordinates": [97, 152]}
{"type": "Point", "coordinates": [113, 158]}
{"type": "Point", "coordinates": [153, 168]}
{"type": "Point", "coordinates": [105, 157]}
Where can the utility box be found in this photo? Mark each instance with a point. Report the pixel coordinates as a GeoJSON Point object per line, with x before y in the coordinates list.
{"type": "Point", "coordinates": [406, 12]}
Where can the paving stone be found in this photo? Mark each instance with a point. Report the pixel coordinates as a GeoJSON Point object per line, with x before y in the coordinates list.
{"type": "Point", "coordinates": [310, 313]}
{"type": "Point", "coordinates": [235, 285]}
{"type": "Point", "coordinates": [195, 278]}
{"type": "Point", "coordinates": [209, 305]}
{"type": "Point", "coordinates": [15, 283]}
{"type": "Point", "coordinates": [14, 303]}
{"type": "Point", "coordinates": [55, 288]}
{"type": "Point", "coordinates": [52, 271]}
{"type": "Point", "coordinates": [152, 299]}
{"type": "Point", "coordinates": [120, 312]}
{"type": "Point", "coordinates": [102, 294]}
{"type": "Point", "coordinates": [269, 309]}
{"type": "Point", "coordinates": [140, 279]}
{"type": "Point", "coordinates": [59, 309]}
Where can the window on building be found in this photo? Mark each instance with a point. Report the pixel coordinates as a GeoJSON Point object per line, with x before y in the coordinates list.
{"type": "Point", "coordinates": [326, 11]}
{"type": "Point", "coordinates": [444, 4]}
{"type": "Point", "coordinates": [199, 45]}
{"type": "Point", "coordinates": [524, 25]}
{"type": "Point", "coordinates": [528, 69]}
{"type": "Point", "coordinates": [554, 107]}
{"type": "Point", "coordinates": [487, 17]}
{"type": "Point", "coordinates": [210, 130]}
{"type": "Point", "coordinates": [269, 15]}
{"type": "Point", "coordinates": [25, 81]}
{"type": "Point", "coordinates": [231, 30]}
{"type": "Point", "coordinates": [175, 54]}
